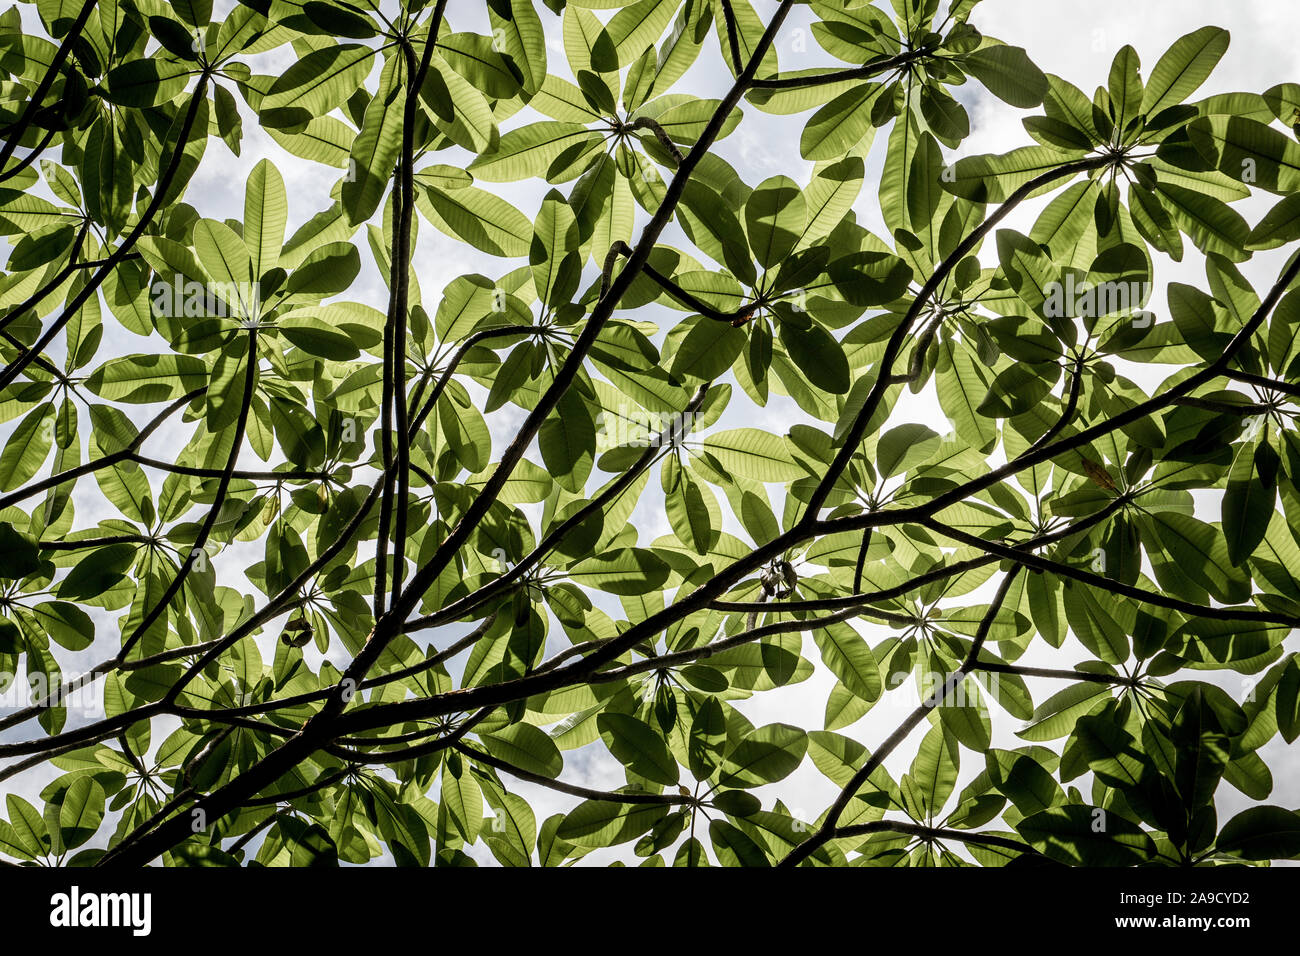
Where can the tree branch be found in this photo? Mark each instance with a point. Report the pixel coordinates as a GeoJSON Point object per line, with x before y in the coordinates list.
{"type": "Point", "coordinates": [550, 783]}
{"type": "Point", "coordinates": [826, 832]}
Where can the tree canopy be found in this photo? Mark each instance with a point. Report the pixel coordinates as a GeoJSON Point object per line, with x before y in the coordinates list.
{"type": "Point", "coordinates": [313, 551]}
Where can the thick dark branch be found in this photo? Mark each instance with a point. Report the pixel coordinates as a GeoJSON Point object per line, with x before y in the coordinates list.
{"type": "Point", "coordinates": [79, 736]}
{"type": "Point", "coordinates": [1110, 585]}
{"type": "Point", "coordinates": [688, 299]}
{"type": "Point", "coordinates": [105, 541]}
{"type": "Point", "coordinates": [1059, 673]}
{"type": "Point", "coordinates": [1272, 384]}
{"type": "Point", "coordinates": [933, 833]}
{"type": "Point", "coordinates": [37, 297]}
{"type": "Point", "coordinates": [857, 431]}
{"type": "Point", "coordinates": [31, 157]}
{"type": "Point", "coordinates": [706, 595]}
{"type": "Point", "coordinates": [107, 461]}
{"type": "Point", "coordinates": [325, 780]}
{"type": "Point", "coordinates": [866, 71]}
{"type": "Point", "coordinates": [568, 371]}
{"type": "Point", "coordinates": [214, 648]}
{"type": "Point", "coordinates": [941, 693]}
{"type": "Point", "coordinates": [1223, 408]}
{"type": "Point", "coordinates": [733, 36]}
{"type": "Point", "coordinates": [166, 810]}
{"type": "Point", "coordinates": [200, 542]}
{"type": "Point", "coordinates": [411, 753]}
{"type": "Point", "coordinates": [395, 398]}
{"type": "Point", "coordinates": [679, 658]}
{"type": "Point", "coordinates": [668, 799]}
{"type": "Point", "coordinates": [248, 837]}
{"type": "Point", "coordinates": [929, 577]}
{"type": "Point", "coordinates": [15, 133]}
{"type": "Point", "coordinates": [12, 370]}
{"type": "Point", "coordinates": [298, 700]}
{"type": "Point", "coordinates": [1071, 405]}
{"type": "Point", "coordinates": [661, 135]}
{"type": "Point", "coordinates": [849, 605]}
{"type": "Point", "coordinates": [1220, 367]}
{"type": "Point", "coordinates": [96, 263]}
{"type": "Point", "coordinates": [44, 364]}
{"type": "Point", "coordinates": [317, 729]}
{"type": "Point", "coordinates": [290, 474]}
{"type": "Point", "coordinates": [552, 540]}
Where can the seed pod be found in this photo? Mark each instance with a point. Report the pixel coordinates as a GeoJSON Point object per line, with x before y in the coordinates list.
{"type": "Point", "coordinates": [788, 578]}
{"type": "Point", "coordinates": [297, 632]}
{"type": "Point", "coordinates": [1099, 475]}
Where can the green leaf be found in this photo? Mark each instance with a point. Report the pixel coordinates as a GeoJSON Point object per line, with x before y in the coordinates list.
{"type": "Point", "coordinates": [774, 219]}
{"type": "Point", "coordinates": [146, 82]}
{"type": "Point", "coordinates": [991, 178]}
{"type": "Point", "coordinates": [1086, 836]}
{"type": "Point", "coordinates": [1249, 152]}
{"type": "Point", "coordinates": [598, 823]}
{"type": "Point", "coordinates": [753, 454]}
{"type": "Point", "coordinates": [518, 30]}
{"type": "Point", "coordinates": [1056, 716]}
{"type": "Point", "coordinates": [904, 447]}
{"type": "Point", "coordinates": [708, 350]}
{"type": "Point", "coordinates": [1212, 225]}
{"type": "Point", "coordinates": [527, 747]}
{"type": "Point", "coordinates": [18, 554]}
{"type": "Point", "coordinates": [148, 378]}
{"type": "Point", "coordinates": [67, 624]}
{"type": "Point", "coordinates": [1247, 505]}
{"type": "Point", "coordinates": [1183, 68]}
{"type": "Point", "coordinates": [1125, 87]}
{"type": "Point", "coordinates": [567, 442]}
{"type": "Point", "coordinates": [266, 211]}
{"type": "Point", "coordinates": [638, 747]}
{"type": "Point", "coordinates": [818, 355]}
{"type": "Point", "coordinates": [841, 125]}
{"type": "Point", "coordinates": [97, 572]}
{"type": "Point", "coordinates": [1008, 73]}
{"type": "Point", "coordinates": [1261, 833]}
{"type": "Point", "coordinates": [846, 654]}
{"type": "Point", "coordinates": [708, 738]}
{"type": "Point", "coordinates": [81, 811]}
{"type": "Point", "coordinates": [316, 84]}
{"type": "Point", "coordinates": [629, 571]}
{"type": "Point", "coordinates": [483, 220]}
{"type": "Point", "coordinates": [375, 150]}
{"type": "Point", "coordinates": [634, 28]}
{"type": "Point", "coordinates": [1024, 781]}
{"type": "Point", "coordinates": [478, 59]}
{"type": "Point", "coordinates": [733, 847]}
{"type": "Point", "coordinates": [533, 150]}
{"type": "Point", "coordinates": [933, 774]}
{"type": "Point", "coordinates": [765, 755]}
{"type": "Point", "coordinates": [27, 448]}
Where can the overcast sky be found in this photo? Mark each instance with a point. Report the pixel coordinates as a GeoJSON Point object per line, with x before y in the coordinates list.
{"type": "Point", "coordinates": [1074, 39]}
